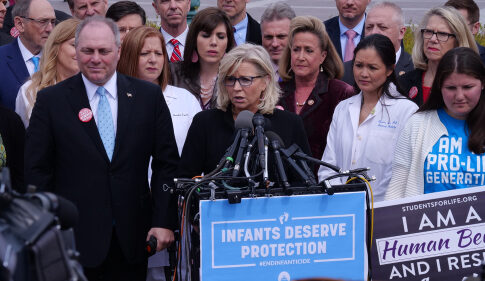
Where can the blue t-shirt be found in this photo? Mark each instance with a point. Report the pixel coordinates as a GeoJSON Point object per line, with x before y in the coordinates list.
{"type": "Point", "coordinates": [450, 164]}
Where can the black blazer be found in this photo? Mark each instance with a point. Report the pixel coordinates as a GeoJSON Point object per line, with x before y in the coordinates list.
{"type": "Point", "coordinates": [413, 80]}
{"type": "Point", "coordinates": [66, 156]}
{"type": "Point", "coordinates": [404, 65]}
{"type": "Point", "coordinates": [333, 30]}
{"type": "Point", "coordinates": [212, 132]}
{"type": "Point", "coordinates": [13, 135]}
{"type": "Point", "coordinates": [253, 34]}
{"type": "Point", "coordinates": [481, 51]}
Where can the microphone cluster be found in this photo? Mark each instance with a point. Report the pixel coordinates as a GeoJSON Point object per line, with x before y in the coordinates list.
{"type": "Point", "coordinates": [258, 157]}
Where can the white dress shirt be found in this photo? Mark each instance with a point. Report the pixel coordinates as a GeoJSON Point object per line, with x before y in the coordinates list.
{"type": "Point", "coordinates": [181, 38]}
{"type": "Point", "coordinates": [370, 144]}
{"type": "Point", "coordinates": [22, 103]}
{"type": "Point", "coordinates": [27, 57]}
{"type": "Point", "coordinates": [111, 93]}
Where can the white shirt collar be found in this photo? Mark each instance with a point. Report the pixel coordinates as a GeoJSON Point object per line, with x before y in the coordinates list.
{"type": "Point", "coordinates": [26, 54]}
{"type": "Point", "coordinates": [109, 86]}
{"type": "Point", "coordinates": [181, 38]}
{"type": "Point", "coordinates": [398, 54]}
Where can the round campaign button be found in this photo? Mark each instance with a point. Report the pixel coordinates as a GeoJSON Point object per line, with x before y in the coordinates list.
{"type": "Point", "coordinates": [85, 115]}
{"type": "Point", "coordinates": [14, 32]}
{"type": "Point", "coordinates": [413, 92]}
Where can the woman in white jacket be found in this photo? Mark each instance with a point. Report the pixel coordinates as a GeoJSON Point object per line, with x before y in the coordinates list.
{"type": "Point", "coordinates": [365, 127]}
{"type": "Point", "coordinates": [443, 145]}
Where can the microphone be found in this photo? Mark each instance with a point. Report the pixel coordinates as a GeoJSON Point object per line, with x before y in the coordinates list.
{"type": "Point", "coordinates": [243, 118]}
{"type": "Point", "coordinates": [291, 152]}
{"type": "Point", "coordinates": [293, 164]}
{"type": "Point", "coordinates": [276, 143]}
{"type": "Point", "coordinates": [258, 122]}
{"type": "Point", "coordinates": [243, 124]}
{"type": "Point", "coordinates": [301, 155]}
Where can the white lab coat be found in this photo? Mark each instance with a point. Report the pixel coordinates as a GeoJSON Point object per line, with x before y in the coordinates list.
{"type": "Point", "coordinates": [370, 144]}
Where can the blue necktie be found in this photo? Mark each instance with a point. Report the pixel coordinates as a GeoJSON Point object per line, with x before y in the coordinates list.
{"type": "Point", "coordinates": [105, 123]}
{"type": "Point", "coordinates": [35, 60]}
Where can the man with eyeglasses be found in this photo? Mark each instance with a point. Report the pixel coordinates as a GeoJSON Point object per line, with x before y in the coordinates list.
{"type": "Point", "coordinates": [471, 13]}
{"type": "Point", "coordinates": [34, 20]}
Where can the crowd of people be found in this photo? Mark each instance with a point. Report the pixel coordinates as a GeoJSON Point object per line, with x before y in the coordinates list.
{"type": "Point", "coordinates": [106, 111]}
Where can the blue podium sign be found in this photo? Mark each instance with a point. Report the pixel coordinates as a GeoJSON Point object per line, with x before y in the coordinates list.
{"type": "Point", "coordinates": [283, 238]}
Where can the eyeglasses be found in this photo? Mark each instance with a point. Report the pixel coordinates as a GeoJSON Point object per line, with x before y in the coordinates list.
{"type": "Point", "coordinates": [244, 81]}
{"type": "Point", "coordinates": [43, 22]}
{"type": "Point", "coordinates": [441, 36]}
{"type": "Point", "coordinates": [126, 29]}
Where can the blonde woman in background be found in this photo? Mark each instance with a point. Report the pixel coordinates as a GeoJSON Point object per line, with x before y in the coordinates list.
{"type": "Point", "coordinates": [58, 62]}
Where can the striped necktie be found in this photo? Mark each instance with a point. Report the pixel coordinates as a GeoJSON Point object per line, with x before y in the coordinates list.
{"type": "Point", "coordinates": [176, 55]}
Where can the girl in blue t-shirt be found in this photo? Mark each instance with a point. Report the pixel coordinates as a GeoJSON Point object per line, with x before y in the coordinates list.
{"type": "Point", "coordinates": [442, 146]}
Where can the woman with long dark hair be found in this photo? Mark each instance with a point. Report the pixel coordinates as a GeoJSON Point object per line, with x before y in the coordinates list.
{"type": "Point", "coordinates": [365, 127]}
{"type": "Point", "coordinates": [209, 38]}
{"type": "Point", "coordinates": [443, 145]}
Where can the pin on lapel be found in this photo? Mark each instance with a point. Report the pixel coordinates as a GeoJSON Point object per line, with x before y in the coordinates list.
{"type": "Point", "coordinates": [129, 95]}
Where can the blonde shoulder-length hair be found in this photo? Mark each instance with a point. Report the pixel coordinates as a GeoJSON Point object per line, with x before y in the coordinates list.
{"type": "Point", "coordinates": [457, 25]}
{"type": "Point", "coordinates": [257, 56]}
{"type": "Point", "coordinates": [332, 65]}
{"type": "Point", "coordinates": [46, 76]}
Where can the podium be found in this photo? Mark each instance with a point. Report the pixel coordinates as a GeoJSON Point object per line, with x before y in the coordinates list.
{"type": "Point", "coordinates": [284, 237]}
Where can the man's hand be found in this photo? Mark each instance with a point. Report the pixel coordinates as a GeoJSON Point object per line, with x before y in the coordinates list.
{"type": "Point", "coordinates": [164, 237]}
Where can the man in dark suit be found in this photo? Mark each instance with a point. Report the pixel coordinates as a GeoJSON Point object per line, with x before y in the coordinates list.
{"type": "Point", "coordinates": [247, 29]}
{"type": "Point", "coordinates": [346, 29]}
{"type": "Point", "coordinates": [385, 18]}
{"type": "Point", "coordinates": [173, 25]}
{"type": "Point", "coordinates": [471, 13]}
{"type": "Point", "coordinates": [34, 19]}
{"type": "Point", "coordinates": [90, 140]}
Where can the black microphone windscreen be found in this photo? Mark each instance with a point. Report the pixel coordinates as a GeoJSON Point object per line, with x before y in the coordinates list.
{"type": "Point", "coordinates": [272, 136]}
{"type": "Point", "coordinates": [66, 212]}
{"type": "Point", "coordinates": [258, 119]}
{"type": "Point", "coordinates": [244, 120]}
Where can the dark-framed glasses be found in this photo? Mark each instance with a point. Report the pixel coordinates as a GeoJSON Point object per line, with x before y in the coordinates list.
{"type": "Point", "coordinates": [244, 81]}
{"type": "Point", "coordinates": [42, 22]}
{"type": "Point", "coordinates": [441, 36]}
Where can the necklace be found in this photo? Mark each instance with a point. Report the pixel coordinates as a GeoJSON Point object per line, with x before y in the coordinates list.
{"type": "Point", "coordinates": [207, 88]}
{"type": "Point", "coordinates": [300, 104]}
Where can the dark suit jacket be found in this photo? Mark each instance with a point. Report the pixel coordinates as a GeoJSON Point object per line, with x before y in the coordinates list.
{"type": "Point", "coordinates": [404, 65]}
{"type": "Point", "coordinates": [253, 34]}
{"type": "Point", "coordinates": [410, 80]}
{"type": "Point", "coordinates": [5, 38]}
{"type": "Point", "coordinates": [481, 51]}
{"type": "Point", "coordinates": [66, 156]}
{"type": "Point", "coordinates": [13, 135]}
{"type": "Point", "coordinates": [13, 73]}
{"type": "Point", "coordinates": [212, 132]}
{"type": "Point", "coordinates": [333, 30]}
{"type": "Point", "coordinates": [318, 110]}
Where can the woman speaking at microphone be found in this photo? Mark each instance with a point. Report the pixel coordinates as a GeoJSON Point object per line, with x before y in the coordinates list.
{"type": "Point", "coordinates": [246, 81]}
